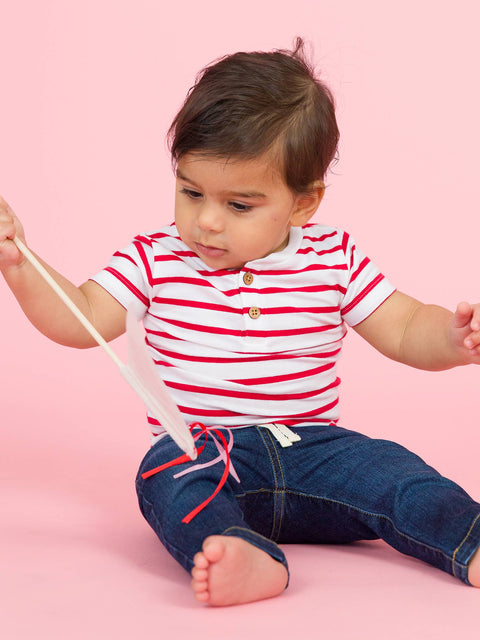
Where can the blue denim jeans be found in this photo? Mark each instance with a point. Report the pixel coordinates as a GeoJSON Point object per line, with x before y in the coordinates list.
{"type": "Point", "coordinates": [333, 486]}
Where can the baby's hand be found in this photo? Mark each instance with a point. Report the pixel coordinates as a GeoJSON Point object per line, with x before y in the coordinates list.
{"type": "Point", "coordinates": [10, 226]}
{"type": "Point", "coordinates": [465, 330]}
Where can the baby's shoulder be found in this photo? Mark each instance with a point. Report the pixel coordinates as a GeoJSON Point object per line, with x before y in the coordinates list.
{"type": "Point", "coordinates": [323, 236]}
{"type": "Point", "coordinates": [163, 240]}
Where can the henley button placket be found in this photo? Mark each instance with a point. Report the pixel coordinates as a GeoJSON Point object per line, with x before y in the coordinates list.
{"type": "Point", "coordinates": [250, 297]}
{"type": "Point", "coordinates": [247, 278]}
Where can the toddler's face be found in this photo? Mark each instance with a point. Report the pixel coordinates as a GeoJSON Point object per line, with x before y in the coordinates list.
{"type": "Point", "coordinates": [232, 212]}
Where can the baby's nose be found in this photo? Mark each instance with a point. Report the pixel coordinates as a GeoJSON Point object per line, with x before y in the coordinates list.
{"type": "Point", "coordinates": [211, 218]}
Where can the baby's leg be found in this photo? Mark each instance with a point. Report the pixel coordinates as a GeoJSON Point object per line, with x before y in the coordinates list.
{"type": "Point", "coordinates": [229, 562]}
{"type": "Point", "coordinates": [352, 487]}
{"type": "Point", "coordinates": [230, 570]}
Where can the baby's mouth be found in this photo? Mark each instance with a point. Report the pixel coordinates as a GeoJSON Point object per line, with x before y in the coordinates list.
{"type": "Point", "coordinates": [208, 250]}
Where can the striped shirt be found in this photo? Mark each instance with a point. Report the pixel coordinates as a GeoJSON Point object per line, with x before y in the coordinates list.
{"type": "Point", "coordinates": [254, 345]}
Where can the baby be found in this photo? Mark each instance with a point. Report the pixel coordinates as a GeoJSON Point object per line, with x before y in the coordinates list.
{"type": "Point", "coordinates": [245, 304]}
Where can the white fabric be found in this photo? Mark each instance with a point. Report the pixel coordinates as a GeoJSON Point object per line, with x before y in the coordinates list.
{"type": "Point", "coordinates": [221, 365]}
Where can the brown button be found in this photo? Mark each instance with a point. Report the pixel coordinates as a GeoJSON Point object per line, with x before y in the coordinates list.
{"type": "Point", "coordinates": [247, 278]}
{"type": "Point", "coordinates": [254, 312]}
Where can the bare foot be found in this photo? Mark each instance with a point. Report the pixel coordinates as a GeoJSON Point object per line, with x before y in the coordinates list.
{"type": "Point", "coordinates": [474, 569]}
{"type": "Point", "coordinates": [230, 570]}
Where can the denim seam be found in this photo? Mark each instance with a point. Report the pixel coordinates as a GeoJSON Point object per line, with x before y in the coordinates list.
{"type": "Point", "coordinates": [279, 491]}
{"type": "Point", "coordinates": [276, 481]}
{"type": "Point", "coordinates": [165, 541]}
{"type": "Point", "coordinates": [370, 513]}
{"type": "Point", "coordinates": [461, 545]}
{"type": "Point", "coordinates": [249, 531]}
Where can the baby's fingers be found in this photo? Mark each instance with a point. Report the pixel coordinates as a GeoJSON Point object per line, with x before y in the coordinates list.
{"type": "Point", "coordinates": [472, 342]}
{"type": "Point", "coordinates": [9, 228]}
{"type": "Point", "coordinates": [463, 315]}
{"type": "Point", "coordinates": [468, 316]}
{"type": "Point", "coordinates": [5, 209]}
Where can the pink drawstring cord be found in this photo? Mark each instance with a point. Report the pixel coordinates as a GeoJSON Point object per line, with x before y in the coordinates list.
{"type": "Point", "coordinates": [186, 458]}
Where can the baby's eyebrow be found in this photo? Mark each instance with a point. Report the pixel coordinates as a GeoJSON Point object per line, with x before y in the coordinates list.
{"type": "Point", "coordinates": [231, 194]}
{"type": "Point", "coordinates": [180, 175]}
{"type": "Point", "coordinates": [245, 194]}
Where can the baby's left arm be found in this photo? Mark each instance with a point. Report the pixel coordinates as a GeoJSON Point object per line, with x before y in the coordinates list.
{"type": "Point", "coordinates": [423, 335]}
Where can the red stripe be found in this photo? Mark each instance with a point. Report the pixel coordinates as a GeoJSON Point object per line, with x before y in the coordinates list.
{"type": "Point", "coordinates": [163, 363]}
{"type": "Point", "coordinates": [321, 238]}
{"type": "Point", "coordinates": [318, 288]}
{"type": "Point", "coordinates": [161, 334]}
{"type": "Point", "coordinates": [263, 272]}
{"type": "Point", "coordinates": [288, 376]}
{"type": "Point", "coordinates": [178, 302]}
{"type": "Point", "coordinates": [175, 256]}
{"type": "Point", "coordinates": [308, 414]}
{"type": "Point", "coordinates": [359, 269]}
{"type": "Point", "coordinates": [129, 285]}
{"type": "Point", "coordinates": [363, 293]}
{"type": "Point", "coordinates": [217, 414]}
{"type": "Point", "coordinates": [119, 254]}
{"type": "Point", "coordinates": [186, 254]}
{"type": "Point", "coordinates": [144, 240]}
{"type": "Point", "coordinates": [198, 282]}
{"type": "Point", "coordinates": [144, 259]}
{"type": "Point", "coordinates": [260, 334]}
{"type": "Point", "coordinates": [219, 273]}
{"type": "Point", "coordinates": [205, 413]}
{"type": "Point", "coordinates": [280, 310]}
{"type": "Point", "coordinates": [161, 234]}
{"type": "Point", "coordinates": [319, 253]}
{"type": "Point", "coordinates": [231, 393]}
{"type": "Point", "coordinates": [202, 328]}
{"type": "Point", "coordinates": [167, 258]}
{"type": "Point", "coordinates": [246, 359]}
{"type": "Point", "coordinates": [311, 267]}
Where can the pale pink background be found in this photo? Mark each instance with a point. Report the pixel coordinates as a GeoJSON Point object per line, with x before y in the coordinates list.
{"type": "Point", "coordinates": [88, 89]}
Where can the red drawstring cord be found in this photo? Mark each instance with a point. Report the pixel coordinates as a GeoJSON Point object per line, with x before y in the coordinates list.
{"type": "Point", "coordinates": [185, 458]}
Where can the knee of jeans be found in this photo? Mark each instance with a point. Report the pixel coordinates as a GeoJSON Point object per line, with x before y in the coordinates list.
{"type": "Point", "coordinates": [403, 480]}
{"type": "Point", "coordinates": [425, 500]}
{"type": "Point", "coordinates": [162, 493]}
{"type": "Point", "coordinates": [160, 454]}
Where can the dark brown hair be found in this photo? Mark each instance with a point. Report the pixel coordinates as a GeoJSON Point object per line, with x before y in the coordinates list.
{"type": "Point", "coordinates": [247, 104]}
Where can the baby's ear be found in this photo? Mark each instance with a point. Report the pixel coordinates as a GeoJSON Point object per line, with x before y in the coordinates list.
{"type": "Point", "coordinates": [307, 203]}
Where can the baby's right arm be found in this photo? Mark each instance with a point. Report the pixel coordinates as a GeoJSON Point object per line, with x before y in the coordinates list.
{"type": "Point", "coordinates": [41, 304]}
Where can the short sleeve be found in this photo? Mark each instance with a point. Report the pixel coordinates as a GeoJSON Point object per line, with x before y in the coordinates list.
{"type": "Point", "coordinates": [128, 275]}
{"type": "Point", "coordinates": [367, 288]}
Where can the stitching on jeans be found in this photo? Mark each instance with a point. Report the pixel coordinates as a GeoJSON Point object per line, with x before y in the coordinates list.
{"type": "Point", "coordinates": [165, 542]}
{"type": "Point", "coordinates": [281, 491]}
{"type": "Point", "coordinates": [276, 482]}
{"type": "Point", "coordinates": [370, 513]}
{"type": "Point", "coordinates": [249, 531]}
{"type": "Point", "coordinates": [376, 515]}
{"type": "Point", "coordinates": [461, 544]}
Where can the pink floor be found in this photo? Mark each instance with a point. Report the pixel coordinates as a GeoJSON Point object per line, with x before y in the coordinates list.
{"type": "Point", "coordinates": [78, 561]}
{"type": "Point", "coordinates": [89, 88]}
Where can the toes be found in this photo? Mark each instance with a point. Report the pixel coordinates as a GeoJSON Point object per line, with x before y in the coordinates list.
{"type": "Point", "coordinates": [213, 549]}
{"type": "Point", "coordinates": [199, 587]}
{"type": "Point", "coordinates": [199, 581]}
{"type": "Point", "coordinates": [199, 575]}
{"type": "Point", "coordinates": [200, 561]}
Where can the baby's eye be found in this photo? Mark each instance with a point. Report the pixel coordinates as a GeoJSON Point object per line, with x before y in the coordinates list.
{"type": "Point", "coordinates": [194, 195]}
{"type": "Point", "coordinates": [240, 207]}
